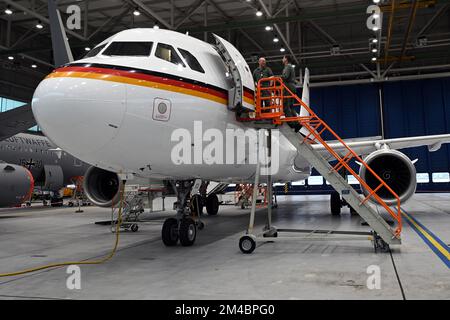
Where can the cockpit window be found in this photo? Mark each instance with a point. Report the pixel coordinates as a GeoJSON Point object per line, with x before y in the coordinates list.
{"type": "Point", "coordinates": [191, 60]}
{"type": "Point", "coordinates": [129, 49]}
{"type": "Point", "coordinates": [95, 51]}
{"type": "Point", "coordinates": [168, 53]}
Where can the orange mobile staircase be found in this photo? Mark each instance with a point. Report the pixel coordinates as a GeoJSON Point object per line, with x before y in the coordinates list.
{"type": "Point", "coordinates": [271, 96]}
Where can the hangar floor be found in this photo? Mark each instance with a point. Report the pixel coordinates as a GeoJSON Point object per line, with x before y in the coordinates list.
{"type": "Point", "coordinates": [214, 268]}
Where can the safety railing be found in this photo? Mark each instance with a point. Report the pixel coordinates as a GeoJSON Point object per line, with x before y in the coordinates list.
{"type": "Point", "coordinates": [270, 98]}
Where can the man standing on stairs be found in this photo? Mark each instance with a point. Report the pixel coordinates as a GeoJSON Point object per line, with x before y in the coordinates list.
{"type": "Point", "coordinates": [288, 77]}
{"type": "Point", "coordinates": [262, 72]}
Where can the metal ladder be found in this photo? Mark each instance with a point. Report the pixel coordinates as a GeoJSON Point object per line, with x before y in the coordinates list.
{"type": "Point", "coordinates": [273, 113]}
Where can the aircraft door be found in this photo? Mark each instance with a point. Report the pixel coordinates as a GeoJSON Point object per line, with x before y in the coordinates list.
{"type": "Point", "coordinates": [242, 94]}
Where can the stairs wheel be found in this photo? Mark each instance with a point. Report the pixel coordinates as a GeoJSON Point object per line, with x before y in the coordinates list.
{"type": "Point", "coordinates": [247, 245]}
{"type": "Point", "coordinates": [353, 212]}
{"type": "Point", "coordinates": [335, 203]}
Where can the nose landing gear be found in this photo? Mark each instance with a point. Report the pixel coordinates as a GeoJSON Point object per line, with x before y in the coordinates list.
{"type": "Point", "coordinates": [184, 227]}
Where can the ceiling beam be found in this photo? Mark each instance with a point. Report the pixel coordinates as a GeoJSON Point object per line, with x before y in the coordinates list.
{"type": "Point", "coordinates": [280, 34]}
{"type": "Point", "coordinates": [196, 5]}
{"type": "Point", "coordinates": [151, 13]}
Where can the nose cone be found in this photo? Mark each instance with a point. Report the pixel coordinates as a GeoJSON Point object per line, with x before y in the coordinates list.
{"type": "Point", "coordinates": [80, 115]}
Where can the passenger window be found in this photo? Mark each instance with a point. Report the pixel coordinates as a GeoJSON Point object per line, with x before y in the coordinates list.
{"type": "Point", "coordinates": [168, 53]}
{"type": "Point", "coordinates": [95, 51]}
{"type": "Point", "coordinates": [129, 49]}
{"type": "Point", "coordinates": [191, 61]}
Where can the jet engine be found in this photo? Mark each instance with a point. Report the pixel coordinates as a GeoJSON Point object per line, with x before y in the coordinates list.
{"type": "Point", "coordinates": [102, 187]}
{"type": "Point", "coordinates": [394, 168]}
{"type": "Point", "coordinates": [16, 185]}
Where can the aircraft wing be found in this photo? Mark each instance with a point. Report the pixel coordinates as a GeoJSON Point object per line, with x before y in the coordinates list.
{"type": "Point", "coordinates": [16, 121]}
{"type": "Point", "coordinates": [369, 145]}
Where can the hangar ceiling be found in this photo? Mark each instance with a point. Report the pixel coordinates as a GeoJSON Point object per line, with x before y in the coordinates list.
{"type": "Point", "coordinates": [329, 36]}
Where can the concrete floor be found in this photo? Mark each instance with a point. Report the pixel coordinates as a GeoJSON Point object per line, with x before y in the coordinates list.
{"type": "Point", "coordinates": [215, 268]}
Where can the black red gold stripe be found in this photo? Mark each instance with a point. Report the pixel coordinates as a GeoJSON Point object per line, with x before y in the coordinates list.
{"type": "Point", "coordinates": [149, 78]}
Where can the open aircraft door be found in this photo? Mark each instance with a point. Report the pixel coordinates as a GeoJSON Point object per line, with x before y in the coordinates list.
{"type": "Point", "coordinates": [242, 95]}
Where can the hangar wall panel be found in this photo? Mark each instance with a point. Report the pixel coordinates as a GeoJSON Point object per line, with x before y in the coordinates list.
{"type": "Point", "coordinates": [411, 108]}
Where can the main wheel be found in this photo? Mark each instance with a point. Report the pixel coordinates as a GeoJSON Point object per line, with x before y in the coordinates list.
{"type": "Point", "coordinates": [187, 232]}
{"type": "Point", "coordinates": [335, 203]}
{"type": "Point", "coordinates": [134, 228]}
{"type": "Point", "coordinates": [212, 204]}
{"type": "Point", "coordinates": [197, 205]}
{"type": "Point", "coordinates": [170, 232]}
{"type": "Point", "coordinates": [247, 245]}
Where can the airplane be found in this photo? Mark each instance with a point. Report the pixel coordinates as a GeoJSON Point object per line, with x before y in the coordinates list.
{"type": "Point", "coordinates": [118, 108]}
{"type": "Point", "coordinates": [32, 160]}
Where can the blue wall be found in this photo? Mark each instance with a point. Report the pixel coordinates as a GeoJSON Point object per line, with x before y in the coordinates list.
{"type": "Point", "coordinates": [411, 108]}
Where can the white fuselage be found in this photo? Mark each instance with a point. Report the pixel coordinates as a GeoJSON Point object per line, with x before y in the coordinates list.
{"type": "Point", "coordinates": [104, 111]}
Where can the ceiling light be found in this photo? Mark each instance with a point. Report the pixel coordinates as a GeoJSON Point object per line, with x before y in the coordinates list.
{"type": "Point", "coordinates": [136, 12]}
{"type": "Point", "coordinates": [374, 50]}
{"type": "Point", "coordinates": [376, 1]}
{"type": "Point", "coordinates": [259, 13]}
{"type": "Point", "coordinates": [376, 15]}
{"type": "Point", "coordinates": [10, 58]}
{"type": "Point", "coordinates": [8, 10]}
{"type": "Point", "coordinates": [87, 49]}
{"type": "Point", "coordinates": [375, 28]}
{"type": "Point", "coordinates": [269, 28]}
{"type": "Point", "coordinates": [282, 49]}
{"type": "Point", "coordinates": [374, 59]}
{"type": "Point", "coordinates": [156, 27]}
{"type": "Point", "coordinates": [275, 39]}
{"type": "Point", "coordinates": [374, 40]}
{"type": "Point", "coordinates": [39, 25]}
{"type": "Point", "coordinates": [34, 66]}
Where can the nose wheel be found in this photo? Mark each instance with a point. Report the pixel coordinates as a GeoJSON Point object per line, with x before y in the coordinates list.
{"type": "Point", "coordinates": [185, 231]}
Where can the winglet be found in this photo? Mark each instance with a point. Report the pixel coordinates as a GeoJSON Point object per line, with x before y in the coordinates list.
{"type": "Point", "coordinates": [61, 49]}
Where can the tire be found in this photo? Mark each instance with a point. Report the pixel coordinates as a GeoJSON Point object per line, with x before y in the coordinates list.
{"type": "Point", "coordinates": [353, 212]}
{"type": "Point", "coordinates": [187, 232]}
{"type": "Point", "coordinates": [247, 245]}
{"type": "Point", "coordinates": [212, 205]}
{"type": "Point", "coordinates": [134, 228]}
{"type": "Point", "coordinates": [196, 205]}
{"type": "Point", "coordinates": [335, 203]}
{"type": "Point", "coordinates": [170, 232]}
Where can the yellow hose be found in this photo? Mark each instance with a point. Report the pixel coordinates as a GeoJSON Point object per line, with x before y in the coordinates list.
{"type": "Point", "coordinates": [94, 262]}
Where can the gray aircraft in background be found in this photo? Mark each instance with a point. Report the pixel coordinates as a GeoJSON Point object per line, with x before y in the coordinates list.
{"type": "Point", "coordinates": [32, 160]}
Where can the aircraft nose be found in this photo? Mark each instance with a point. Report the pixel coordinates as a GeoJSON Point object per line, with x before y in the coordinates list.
{"type": "Point", "coordinates": [80, 115]}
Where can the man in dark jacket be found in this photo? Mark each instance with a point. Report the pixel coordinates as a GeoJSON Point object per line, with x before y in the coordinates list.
{"type": "Point", "coordinates": [288, 77]}
{"type": "Point", "coordinates": [262, 72]}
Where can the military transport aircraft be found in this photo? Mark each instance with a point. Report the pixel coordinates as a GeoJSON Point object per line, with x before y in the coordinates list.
{"type": "Point", "coordinates": [31, 160]}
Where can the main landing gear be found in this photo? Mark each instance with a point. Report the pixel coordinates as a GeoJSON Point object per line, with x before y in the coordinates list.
{"type": "Point", "coordinates": [184, 226]}
{"type": "Point", "coordinates": [337, 203]}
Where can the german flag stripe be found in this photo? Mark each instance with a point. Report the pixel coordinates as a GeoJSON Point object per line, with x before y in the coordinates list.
{"type": "Point", "coordinates": [149, 79]}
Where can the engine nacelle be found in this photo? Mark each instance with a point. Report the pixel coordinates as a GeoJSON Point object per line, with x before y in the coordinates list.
{"type": "Point", "coordinates": [16, 185]}
{"type": "Point", "coordinates": [102, 187]}
{"type": "Point", "coordinates": [396, 169]}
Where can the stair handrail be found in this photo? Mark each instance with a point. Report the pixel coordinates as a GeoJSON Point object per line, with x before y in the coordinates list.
{"type": "Point", "coordinates": [278, 92]}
